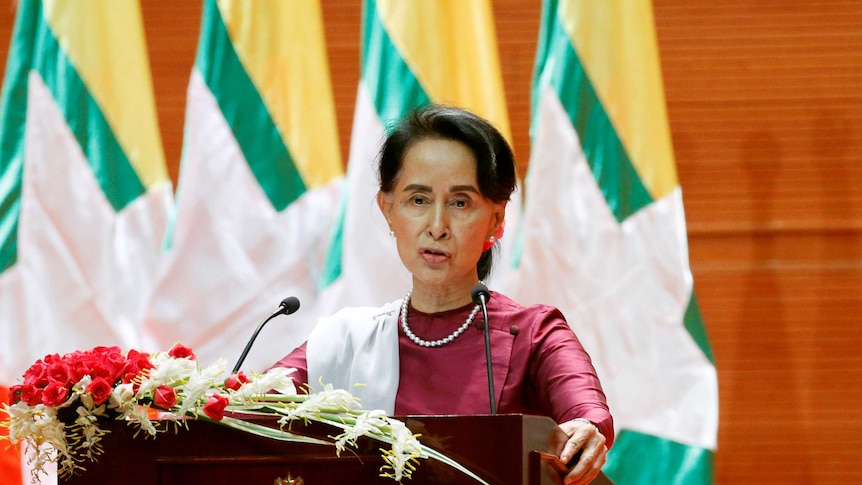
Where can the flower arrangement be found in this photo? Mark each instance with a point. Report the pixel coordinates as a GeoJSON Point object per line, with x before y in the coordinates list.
{"type": "Point", "coordinates": [63, 399]}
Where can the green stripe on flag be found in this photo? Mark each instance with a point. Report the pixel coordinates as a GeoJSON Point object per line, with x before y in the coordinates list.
{"type": "Point", "coordinates": [36, 48]}
{"type": "Point", "coordinates": [245, 111]}
{"type": "Point", "coordinates": [391, 83]}
{"type": "Point", "coordinates": [606, 156]}
{"type": "Point", "coordinates": [111, 167]}
{"type": "Point", "coordinates": [694, 324]}
{"type": "Point", "coordinates": [332, 266]}
{"type": "Point", "coordinates": [10, 209]}
{"type": "Point", "coordinates": [14, 109]}
{"type": "Point", "coordinates": [638, 458]}
{"type": "Point", "coordinates": [394, 90]}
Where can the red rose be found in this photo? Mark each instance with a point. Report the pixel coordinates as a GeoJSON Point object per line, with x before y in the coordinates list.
{"type": "Point", "coordinates": [37, 374]}
{"type": "Point", "coordinates": [15, 393]}
{"type": "Point", "coordinates": [180, 351]}
{"type": "Point", "coordinates": [77, 370]}
{"type": "Point", "coordinates": [100, 389]}
{"type": "Point", "coordinates": [114, 360]}
{"type": "Point", "coordinates": [32, 395]}
{"type": "Point", "coordinates": [235, 381]}
{"type": "Point", "coordinates": [55, 394]}
{"type": "Point", "coordinates": [165, 397]}
{"type": "Point", "coordinates": [78, 362]}
{"type": "Point", "coordinates": [99, 371]}
{"type": "Point", "coordinates": [60, 373]}
{"type": "Point", "coordinates": [214, 407]}
{"type": "Point", "coordinates": [137, 361]}
{"type": "Point", "coordinates": [102, 350]}
{"type": "Point", "coordinates": [137, 364]}
{"type": "Point", "coordinates": [51, 358]}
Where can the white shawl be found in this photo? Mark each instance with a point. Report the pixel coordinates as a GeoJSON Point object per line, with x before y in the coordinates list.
{"type": "Point", "coordinates": [358, 346]}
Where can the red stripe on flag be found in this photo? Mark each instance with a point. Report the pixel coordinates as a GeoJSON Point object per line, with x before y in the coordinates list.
{"type": "Point", "coordinates": [10, 461]}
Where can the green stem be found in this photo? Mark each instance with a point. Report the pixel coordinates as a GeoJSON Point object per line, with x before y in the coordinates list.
{"type": "Point", "coordinates": [266, 431]}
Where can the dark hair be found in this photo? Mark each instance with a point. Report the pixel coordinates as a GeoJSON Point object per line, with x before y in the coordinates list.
{"type": "Point", "coordinates": [495, 162]}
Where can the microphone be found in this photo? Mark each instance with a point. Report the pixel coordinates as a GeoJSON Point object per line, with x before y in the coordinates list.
{"type": "Point", "coordinates": [288, 305]}
{"type": "Point", "coordinates": [480, 296]}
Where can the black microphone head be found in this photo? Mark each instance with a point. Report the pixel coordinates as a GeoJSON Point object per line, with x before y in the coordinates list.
{"type": "Point", "coordinates": [289, 305]}
{"type": "Point", "coordinates": [480, 292]}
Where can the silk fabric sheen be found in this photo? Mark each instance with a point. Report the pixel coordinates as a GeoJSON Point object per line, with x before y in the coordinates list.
{"type": "Point", "coordinates": [539, 365]}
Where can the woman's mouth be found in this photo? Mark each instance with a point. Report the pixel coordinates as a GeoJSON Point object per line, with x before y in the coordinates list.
{"type": "Point", "coordinates": [433, 256]}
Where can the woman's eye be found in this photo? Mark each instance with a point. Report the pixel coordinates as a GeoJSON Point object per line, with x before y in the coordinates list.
{"type": "Point", "coordinates": [459, 203]}
{"type": "Point", "coordinates": [418, 200]}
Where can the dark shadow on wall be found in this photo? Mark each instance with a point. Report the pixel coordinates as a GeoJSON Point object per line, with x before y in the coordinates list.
{"type": "Point", "coordinates": [767, 376]}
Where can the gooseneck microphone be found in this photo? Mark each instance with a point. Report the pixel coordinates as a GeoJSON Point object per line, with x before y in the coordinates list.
{"type": "Point", "coordinates": [480, 296]}
{"type": "Point", "coordinates": [288, 305]}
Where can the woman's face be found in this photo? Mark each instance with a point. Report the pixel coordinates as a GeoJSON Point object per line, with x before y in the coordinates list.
{"type": "Point", "coordinates": [439, 217]}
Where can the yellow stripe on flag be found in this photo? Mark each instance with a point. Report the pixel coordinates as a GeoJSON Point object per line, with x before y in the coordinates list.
{"type": "Point", "coordinates": [455, 36]}
{"type": "Point", "coordinates": [111, 59]}
{"type": "Point", "coordinates": [281, 46]}
{"type": "Point", "coordinates": [618, 48]}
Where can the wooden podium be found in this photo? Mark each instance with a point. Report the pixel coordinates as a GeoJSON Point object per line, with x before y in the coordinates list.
{"type": "Point", "coordinates": [502, 449]}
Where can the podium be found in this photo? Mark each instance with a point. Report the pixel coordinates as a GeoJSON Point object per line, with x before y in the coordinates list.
{"type": "Point", "coordinates": [502, 449]}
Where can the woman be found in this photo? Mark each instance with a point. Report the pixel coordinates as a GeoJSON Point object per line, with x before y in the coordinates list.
{"type": "Point", "coordinates": [445, 178]}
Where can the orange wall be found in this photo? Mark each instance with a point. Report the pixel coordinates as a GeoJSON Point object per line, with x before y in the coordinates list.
{"type": "Point", "coordinates": [765, 105]}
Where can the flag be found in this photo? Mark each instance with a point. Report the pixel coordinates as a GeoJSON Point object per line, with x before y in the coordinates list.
{"type": "Point", "coordinates": [604, 237]}
{"type": "Point", "coordinates": [258, 185]}
{"type": "Point", "coordinates": [412, 54]}
{"type": "Point", "coordinates": [84, 191]}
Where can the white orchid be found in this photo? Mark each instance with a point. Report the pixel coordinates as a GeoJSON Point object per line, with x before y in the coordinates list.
{"type": "Point", "coordinates": [165, 371]}
{"type": "Point", "coordinates": [276, 379]}
{"type": "Point", "coordinates": [197, 383]}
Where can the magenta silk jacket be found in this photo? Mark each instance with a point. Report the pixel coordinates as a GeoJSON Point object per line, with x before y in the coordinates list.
{"type": "Point", "coordinates": [539, 366]}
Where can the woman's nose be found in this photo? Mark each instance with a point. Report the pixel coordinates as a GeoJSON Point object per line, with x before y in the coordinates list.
{"type": "Point", "coordinates": [438, 228]}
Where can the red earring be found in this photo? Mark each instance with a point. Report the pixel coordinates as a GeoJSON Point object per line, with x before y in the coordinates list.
{"type": "Point", "coordinates": [497, 235]}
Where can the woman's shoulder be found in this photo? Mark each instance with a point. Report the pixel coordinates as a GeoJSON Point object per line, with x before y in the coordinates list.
{"type": "Point", "coordinates": [539, 320]}
{"type": "Point", "coordinates": [505, 304]}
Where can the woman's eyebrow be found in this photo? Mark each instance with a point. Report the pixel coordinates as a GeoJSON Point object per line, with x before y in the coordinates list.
{"type": "Point", "coordinates": [416, 187]}
{"type": "Point", "coordinates": [426, 188]}
{"type": "Point", "coordinates": [463, 188]}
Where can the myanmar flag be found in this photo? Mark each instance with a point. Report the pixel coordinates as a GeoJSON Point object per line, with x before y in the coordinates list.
{"type": "Point", "coordinates": [84, 191]}
{"type": "Point", "coordinates": [258, 186]}
{"type": "Point", "coordinates": [413, 53]}
{"type": "Point", "coordinates": [604, 236]}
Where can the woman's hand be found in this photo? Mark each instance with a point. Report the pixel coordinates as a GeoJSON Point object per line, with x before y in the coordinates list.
{"type": "Point", "coordinates": [584, 437]}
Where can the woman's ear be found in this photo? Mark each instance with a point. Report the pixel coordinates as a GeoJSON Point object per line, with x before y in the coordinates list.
{"type": "Point", "coordinates": [499, 217]}
{"type": "Point", "coordinates": [384, 201]}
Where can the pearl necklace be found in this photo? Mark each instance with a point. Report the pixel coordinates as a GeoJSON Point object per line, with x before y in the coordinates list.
{"type": "Point", "coordinates": [436, 343]}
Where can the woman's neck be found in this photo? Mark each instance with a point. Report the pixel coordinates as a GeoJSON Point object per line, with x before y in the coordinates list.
{"type": "Point", "coordinates": [439, 299]}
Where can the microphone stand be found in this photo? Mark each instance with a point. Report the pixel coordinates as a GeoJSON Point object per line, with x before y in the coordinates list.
{"type": "Point", "coordinates": [287, 306]}
{"type": "Point", "coordinates": [480, 294]}
{"type": "Point", "coordinates": [491, 393]}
